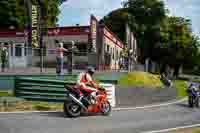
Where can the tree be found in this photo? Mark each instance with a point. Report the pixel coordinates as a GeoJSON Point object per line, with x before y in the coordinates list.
{"type": "Point", "coordinates": [192, 54]}
{"type": "Point", "coordinates": [13, 12]}
{"type": "Point", "coordinates": [145, 17]}
{"type": "Point", "coordinates": [116, 21]}
{"type": "Point", "coordinates": [167, 40]}
{"type": "Point", "coordinates": [7, 13]}
{"type": "Point", "coordinates": [177, 43]}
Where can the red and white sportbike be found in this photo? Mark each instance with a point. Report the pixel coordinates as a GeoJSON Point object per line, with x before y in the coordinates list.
{"type": "Point", "coordinates": [73, 107]}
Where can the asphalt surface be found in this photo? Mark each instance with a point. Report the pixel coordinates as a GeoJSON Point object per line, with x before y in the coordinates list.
{"type": "Point", "coordinates": [132, 96]}
{"type": "Point", "coordinates": [132, 121]}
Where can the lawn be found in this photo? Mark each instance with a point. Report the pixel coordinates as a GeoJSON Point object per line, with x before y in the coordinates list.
{"type": "Point", "coordinates": [140, 78]}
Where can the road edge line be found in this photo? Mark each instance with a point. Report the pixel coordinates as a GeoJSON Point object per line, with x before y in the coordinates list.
{"type": "Point", "coordinates": [173, 129]}
{"type": "Point", "coordinates": [151, 106]}
{"type": "Point", "coordinates": [114, 109]}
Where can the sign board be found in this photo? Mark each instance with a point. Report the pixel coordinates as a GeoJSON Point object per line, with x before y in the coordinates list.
{"type": "Point", "coordinates": [34, 25]}
{"type": "Point", "coordinates": [93, 27]}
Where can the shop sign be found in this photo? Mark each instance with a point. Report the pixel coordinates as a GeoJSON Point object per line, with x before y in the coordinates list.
{"type": "Point", "coordinates": [34, 26]}
{"type": "Point", "coordinates": [94, 33]}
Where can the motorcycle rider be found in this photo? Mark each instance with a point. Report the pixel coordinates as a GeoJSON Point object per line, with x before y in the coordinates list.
{"type": "Point", "coordinates": [85, 78]}
{"type": "Point", "coordinates": [193, 89]}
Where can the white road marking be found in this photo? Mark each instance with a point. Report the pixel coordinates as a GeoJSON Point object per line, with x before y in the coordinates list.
{"type": "Point", "coordinates": [151, 106]}
{"type": "Point", "coordinates": [173, 129]}
{"type": "Point", "coordinates": [26, 112]}
{"type": "Point", "coordinates": [114, 109]}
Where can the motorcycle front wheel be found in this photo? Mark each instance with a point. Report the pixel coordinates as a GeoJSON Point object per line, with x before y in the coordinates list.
{"type": "Point", "coordinates": [106, 108]}
{"type": "Point", "coordinates": [191, 101]}
{"type": "Point", "coordinates": [71, 109]}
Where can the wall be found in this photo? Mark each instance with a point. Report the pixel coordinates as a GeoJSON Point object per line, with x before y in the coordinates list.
{"type": "Point", "coordinates": [7, 82]}
{"type": "Point", "coordinates": [13, 39]}
{"type": "Point", "coordinates": [112, 50]}
{"type": "Point", "coordinates": [50, 40]}
{"type": "Point", "coordinates": [16, 61]}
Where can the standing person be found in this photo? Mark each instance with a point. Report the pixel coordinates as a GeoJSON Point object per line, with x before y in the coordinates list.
{"type": "Point", "coordinates": [60, 59]}
{"type": "Point", "coordinates": [120, 63]}
{"type": "Point", "coordinates": [4, 58]}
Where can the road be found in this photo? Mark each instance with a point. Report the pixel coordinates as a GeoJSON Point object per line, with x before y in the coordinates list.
{"type": "Point", "coordinates": [132, 121]}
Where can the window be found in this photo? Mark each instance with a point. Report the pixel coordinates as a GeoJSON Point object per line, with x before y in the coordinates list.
{"type": "Point", "coordinates": [11, 49]}
{"type": "Point", "coordinates": [36, 51]}
{"type": "Point", "coordinates": [117, 55]}
{"type": "Point", "coordinates": [25, 49]}
{"type": "Point", "coordinates": [18, 50]}
{"type": "Point", "coordinates": [113, 53]}
{"type": "Point", "coordinates": [81, 49]}
{"type": "Point", "coordinates": [108, 48]}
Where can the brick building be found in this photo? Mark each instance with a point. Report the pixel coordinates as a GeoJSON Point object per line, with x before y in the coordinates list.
{"type": "Point", "coordinates": [97, 46]}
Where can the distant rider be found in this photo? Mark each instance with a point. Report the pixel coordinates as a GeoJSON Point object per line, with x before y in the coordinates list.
{"type": "Point", "coordinates": [193, 89]}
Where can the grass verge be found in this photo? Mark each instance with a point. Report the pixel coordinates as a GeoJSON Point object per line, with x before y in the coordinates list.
{"type": "Point", "coordinates": [140, 78]}
{"type": "Point", "coordinates": [23, 105]}
{"type": "Point", "coordinates": [29, 106]}
{"type": "Point", "coordinates": [188, 130]}
{"type": "Point", "coordinates": [180, 86]}
{"type": "Point", "coordinates": [6, 93]}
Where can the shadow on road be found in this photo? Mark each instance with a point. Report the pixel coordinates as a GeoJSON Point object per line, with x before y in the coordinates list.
{"type": "Point", "coordinates": [183, 105]}
{"type": "Point", "coordinates": [62, 115]}
{"type": "Point", "coordinates": [53, 114]}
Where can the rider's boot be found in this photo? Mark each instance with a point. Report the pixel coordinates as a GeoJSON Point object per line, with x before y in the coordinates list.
{"type": "Point", "coordinates": [80, 98]}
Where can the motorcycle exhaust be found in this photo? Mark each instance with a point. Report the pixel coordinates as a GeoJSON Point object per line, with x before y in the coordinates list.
{"type": "Point", "coordinates": [77, 101]}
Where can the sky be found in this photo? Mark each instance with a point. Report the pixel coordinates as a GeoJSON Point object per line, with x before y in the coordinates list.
{"type": "Point", "coordinates": [78, 11]}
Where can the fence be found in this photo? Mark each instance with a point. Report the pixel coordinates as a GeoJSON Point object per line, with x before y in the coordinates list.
{"type": "Point", "coordinates": [50, 90]}
{"type": "Point", "coordinates": [22, 59]}
{"type": "Point", "coordinates": [40, 89]}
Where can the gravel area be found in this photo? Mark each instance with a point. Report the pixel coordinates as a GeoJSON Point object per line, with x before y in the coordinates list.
{"type": "Point", "coordinates": [139, 96]}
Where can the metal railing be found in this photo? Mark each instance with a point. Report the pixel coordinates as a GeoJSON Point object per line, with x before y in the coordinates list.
{"type": "Point", "coordinates": [41, 89]}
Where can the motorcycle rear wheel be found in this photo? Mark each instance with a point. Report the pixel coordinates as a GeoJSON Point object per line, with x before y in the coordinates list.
{"type": "Point", "coordinates": [71, 109]}
{"type": "Point", "coordinates": [197, 102]}
{"type": "Point", "coordinates": [106, 108]}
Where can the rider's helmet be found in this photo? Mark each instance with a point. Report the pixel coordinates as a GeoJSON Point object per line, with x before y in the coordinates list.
{"type": "Point", "coordinates": [91, 70]}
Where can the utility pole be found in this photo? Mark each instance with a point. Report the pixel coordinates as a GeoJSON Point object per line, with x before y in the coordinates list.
{"type": "Point", "coordinates": [40, 35]}
{"type": "Point", "coordinates": [71, 53]}
{"type": "Point", "coordinates": [29, 29]}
